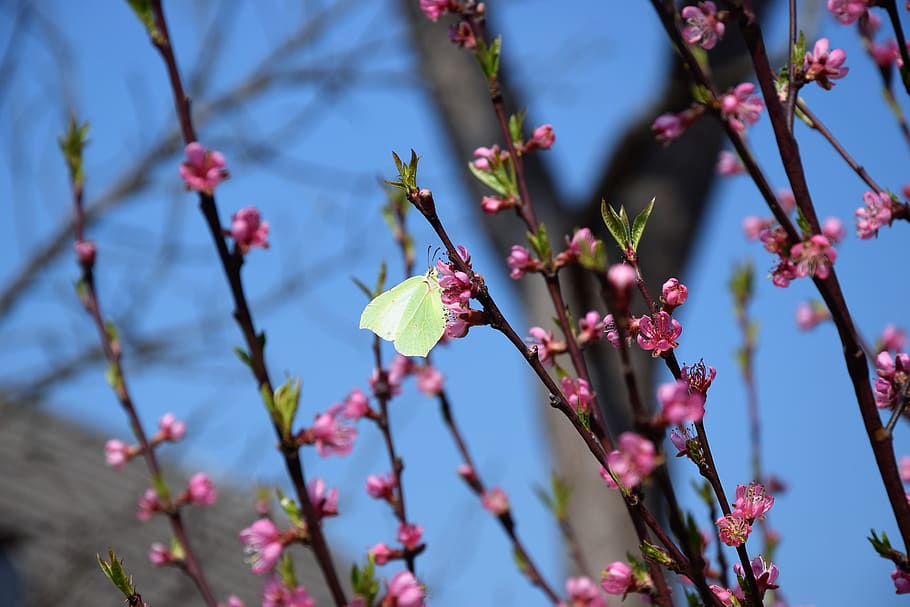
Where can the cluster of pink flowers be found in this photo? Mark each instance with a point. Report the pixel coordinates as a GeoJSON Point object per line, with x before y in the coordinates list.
{"type": "Point", "coordinates": [765, 577]}
{"type": "Point", "coordinates": [583, 592]}
{"type": "Point", "coordinates": [203, 169]}
{"type": "Point", "coordinates": [547, 346]}
{"type": "Point", "coordinates": [199, 491]}
{"type": "Point", "coordinates": [678, 404]}
{"type": "Point", "coordinates": [704, 26]}
{"type": "Point", "coordinates": [740, 107]}
{"type": "Point", "coordinates": [331, 432]}
{"type": "Point", "coordinates": [276, 593]}
{"type": "Point", "coordinates": [118, 454]}
{"type": "Point", "coordinates": [751, 503]}
{"type": "Point", "coordinates": [457, 291]}
{"type": "Point", "coordinates": [893, 338]}
{"type": "Point", "coordinates": [581, 246]}
{"type": "Point", "coordinates": [848, 11]}
{"type": "Point", "coordinates": [434, 9]}
{"type": "Point", "coordinates": [823, 66]}
{"type": "Point", "coordinates": [578, 393]}
{"type": "Point", "coordinates": [874, 215]}
{"type": "Point", "coordinates": [812, 257]}
{"type": "Point", "coordinates": [635, 459]}
{"type": "Point", "coordinates": [892, 378]}
{"type": "Point", "coordinates": [520, 262]}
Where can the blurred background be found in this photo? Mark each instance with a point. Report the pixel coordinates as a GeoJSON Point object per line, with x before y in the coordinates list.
{"type": "Point", "coordinates": [306, 100]}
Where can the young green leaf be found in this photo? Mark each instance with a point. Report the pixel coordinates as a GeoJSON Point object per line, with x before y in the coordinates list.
{"type": "Point", "coordinates": [114, 571]}
{"type": "Point", "coordinates": [638, 226]}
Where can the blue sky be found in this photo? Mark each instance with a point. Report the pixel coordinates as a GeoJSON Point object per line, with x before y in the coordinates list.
{"type": "Point", "coordinates": [321, 197]}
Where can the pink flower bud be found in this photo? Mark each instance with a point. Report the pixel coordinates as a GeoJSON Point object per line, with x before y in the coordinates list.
{"type": "Point", "coordinates": [85, 252]}
{"type": "Point", "coordinates": [496, 501]}
{"type": "Point", "coordinates": [409, 535]}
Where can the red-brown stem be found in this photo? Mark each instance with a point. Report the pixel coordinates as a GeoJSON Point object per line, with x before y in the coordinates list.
{"type": "Point", "coordinates": [190, 564]}
{"type": "Point", "coordinates": [232, 265]}
{"type": "Point", "coordinates": [891, 7]}
{"type": "Point", "coordinates": [383, 394]}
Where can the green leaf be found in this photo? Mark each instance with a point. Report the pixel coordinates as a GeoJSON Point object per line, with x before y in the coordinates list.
{"type": "Point", "coordinates": [492, 180]}
{"type": "Point", "coordinates": [488, 57]}
{"type": "Point", "coordinates": [243, 356]}
{"type": "Point", "coordinates": [803, 223]}
{"type": "Point", "coordinates": [143, 10]}
{"type": "Point", "coordinates": [72, 142]}
{"type": "Point", "coordinates": [114, 571]}
{"type": "Point", "coordinates": [882, 546]}
{"type": "Point", "coordinates": [290, 508]}
{"type": "Point", "coordinates": [615, 225]}
{"type": "Point", "coordinates": [692, 599]}
{"type": "Point", "coordinates": [799, 52]}
{"type": "Point", "coordinates": [160, 487]}
{"type": "Point", "coordinates": [286, 401]}
{"type": "Point", "coordinates": [638, 226]}
{"type": "Point", "coordinates": [595, 260]}
{"type": "Point", "coordinates": [515, 126]}
{"type": "Point", "coordinates": [657, 555]}
{"type": "Point", "coordinates": [364, 582]}
{"type": "Point", "coordinates": [540, 243]}
{"type": "Point", "coordinates": [286, 570]}
{"type": "Point", "coordinates": [520, 561]}
{"type": "Point", "coordinates": [701, 94]}
{"type": "Point", "coordinates": [407, 173]}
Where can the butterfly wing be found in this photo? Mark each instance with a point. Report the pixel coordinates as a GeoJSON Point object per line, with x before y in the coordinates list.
{"type": "Point", "coordinates": [423, 320]}
{"type": "Point", "coordinates": [384, 315]}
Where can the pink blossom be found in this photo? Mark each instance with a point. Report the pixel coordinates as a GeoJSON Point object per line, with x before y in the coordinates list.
{"type": "Point", "coordinates": [786, 200]}
{"type": "Point", "coordinates": [276, 594]}
{"type": "Point", "coordinates": [547, 346]}
{"type": "Point", "coordinates": [668, 127]}
{"type": "Point", "coordinates": [356, 405]}
{"type": "Point", "coordinates": [434, 9]}
{"type": "Point", "coordinates": [678, 405]}
{"type": "Point", "coordinates": [496, 501]}
{"type": "Point", "coordinates": [847, 11]}
{"type": "Point", "coordinates": [542, 138]}
{"type": "Point", "coordinates": [901, 581]}
{"type": "Point", "coordinates": [703, 27]}
{"type": "Point", "coordinates": [399, 370]}
{"type": "Point", "coordinates": [622, 277]}
{"type": "Point", "coordinates": [876, 214]}
{"type": "Point", "coordinates": [409, 535]}
{"type": "Point", "coordinates": [674, 294]}
{"type": "Point", "coordinates": [262, 545]}
{"type": "Point", "coordinates": [783, 273]}
{"type": "Point", "coordinates": [823, 66]}
{"type": "Point", "coordinates": [893, 338]}
{"type": "Point", "coordinates": [201, 491]}
{"type": "Point", "coordinates": [462, 34]}
{"type": "Point", "coordinates": [404, 591]}
{"type": "Point", "coordinates": [765, 574]}
{"type": "Point", "coordinates": [331, 435]}
{"type": "Point", "coordinates": [610, 331]}
{"type": "Point", "coordinates": [466, 472]}
{"type": "Point", "coordinates": [892, 375]}
{"type": "Point", "coordinates": [116, 454]}
{"type": "Point", "coordinates": [680, 438]}
{"type": "Point", "coordinates": [753, 226]}
{"type": "Point", "coordinates": [487, 158]}
{"type": "Point", "coordinates": [813, 257]}
{"type": "Point", "coordinates": [171, 428]}
{"type": "Point", "coordinates": [632, 461]}
{"type": "Point", "coordinates": [583, 593]}
{"type": "Point", "coordinates": [148, 505]}
{"type": "Point", "coordinates": [884, 54]}
{"type": "Point", "coordinates": [740, 107]}
{"type": "Point", "coordinates": [233, 601]}
{"type": "Point", "coordinates": [521, 262]}
{"type": "Point", "coordinates": [324, 503]}
{"type": "Point", "coordinates": [578, 393]}
{"type": "Point", "coordinates": [456, 285]}
{"type": "Point", "coordinates": [616, 578]}
{"type": "Point", "coordinates": [729, 164]}
{"type": "Point", "coordinates": [159, 555]}
{"type": "Point", "coordinates": [590, 327]}
{"type": "Point", "coordinates": [775, 240]}
{"type": "Point", "coordinates": [582, 243]}
{"type": "Point", "coordinates": [810, 314]}
{"type": "Point", "coordinates": [429, 381]}
{"type": "Point", "coordinates": [85, 252]}
{"type": "Point", "coordinates": [752, 502]}
{"type": "Point", "coordinates": [733, 529]}
{"type": "Point", "coordinates": [833, 230]}
{"type": "Point", "coordinates": [492, 205]}
{"type": "Point", "coordinates": [248, 230]}
{"type": "Point", "coordinates": [381, 553]}
{"type": "Point", "coordinates": [456, 326]}
{"type": "Point", "coordinates": [698, 376]}
{"type": "Point", "coordinates": [724, 595]}
{"type": "Point", "coordinates": [659, 333]}
{"type": "Point", "coordinates": [381, 487]}
{"type": "Point", "coordinates": [203, 169]}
